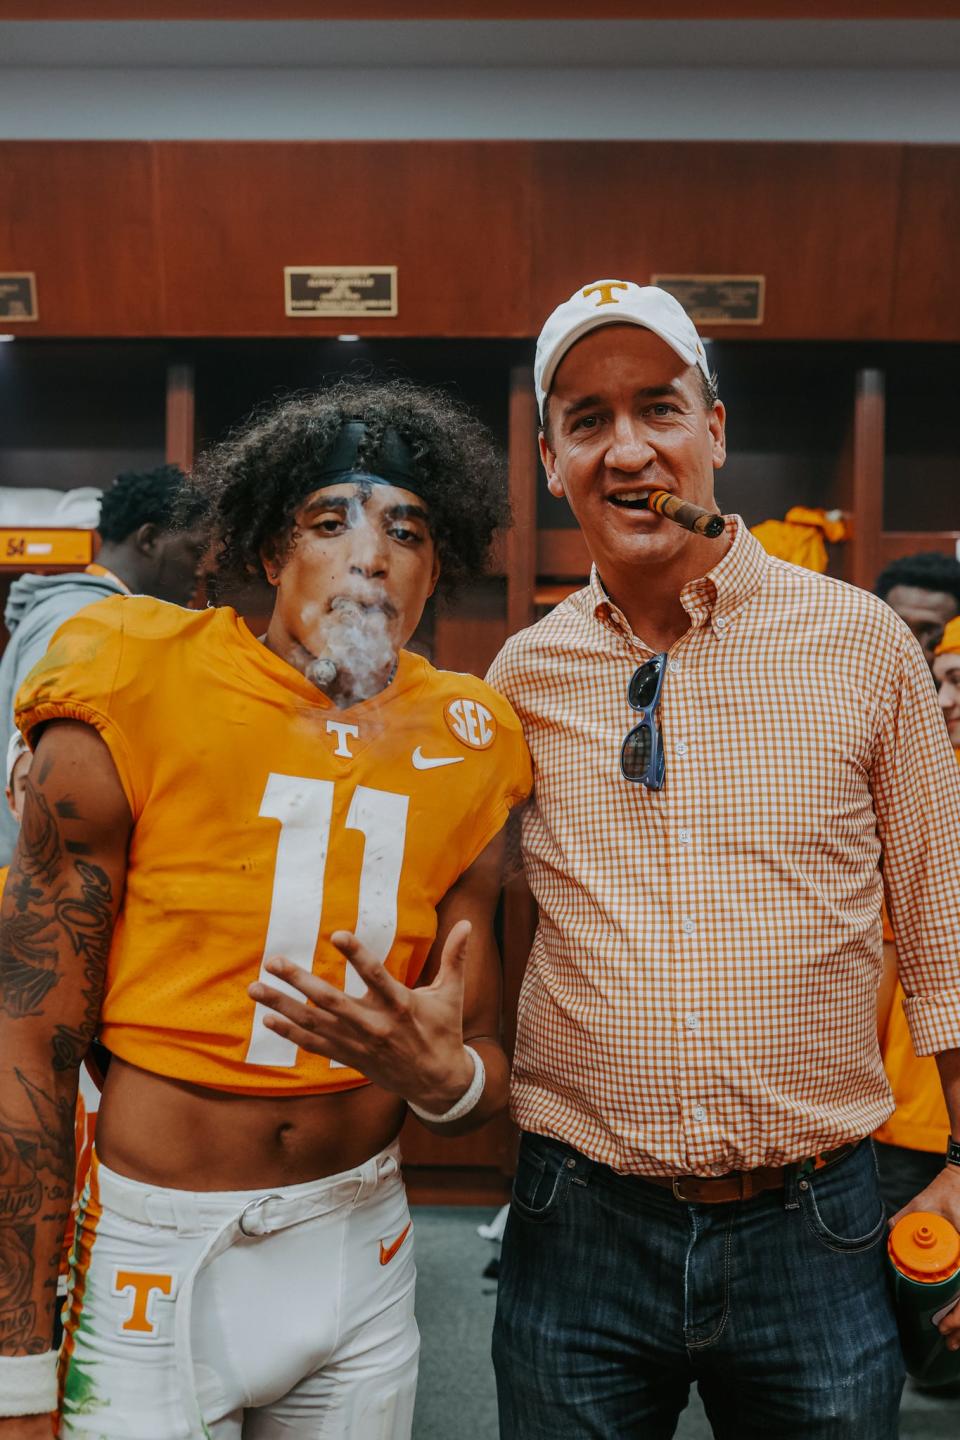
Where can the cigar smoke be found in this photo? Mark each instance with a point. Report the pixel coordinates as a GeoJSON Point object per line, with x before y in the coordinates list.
{"type": "Point", "coordinates": [350, 652]}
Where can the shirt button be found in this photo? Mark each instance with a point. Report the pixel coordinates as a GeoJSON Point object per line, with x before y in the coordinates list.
{"type": "Point", "coordinates": [681, 747]}
{"type": "Point", "coordinates": [688, 926]}
{"type": "Point", "coordinates": [720, 622]}
{"type": "Point", "coordinates": [692, 1021]}
{"type": "Point", "coordinates": [673, 666]}
{"type": "Point", "coordinates": [684, 837]}
{"type": "Point", "coordinates": [699, 1113]}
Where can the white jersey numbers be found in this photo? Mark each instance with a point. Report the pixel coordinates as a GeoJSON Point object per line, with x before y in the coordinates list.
{"type": "Point", "coordinates": [304, 809]}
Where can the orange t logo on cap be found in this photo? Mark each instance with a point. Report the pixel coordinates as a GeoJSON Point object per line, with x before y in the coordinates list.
{"type": "Point", "coordinates": [605, 291]}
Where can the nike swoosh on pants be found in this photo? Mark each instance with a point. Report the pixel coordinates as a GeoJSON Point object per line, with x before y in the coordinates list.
{"type": "Point", "coordinates": [387, 1252]}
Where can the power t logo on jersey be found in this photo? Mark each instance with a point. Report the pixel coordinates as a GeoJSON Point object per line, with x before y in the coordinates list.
{"type": "Point", "coordinates": [358, 819]}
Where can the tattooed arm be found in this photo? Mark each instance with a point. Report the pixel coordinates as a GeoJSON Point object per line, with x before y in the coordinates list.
{"type": "Point", "coordinates": [59, 906]}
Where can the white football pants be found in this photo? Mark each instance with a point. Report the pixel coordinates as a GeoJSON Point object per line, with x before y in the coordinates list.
{"type": "Point", "coordinates": [266, 1315]}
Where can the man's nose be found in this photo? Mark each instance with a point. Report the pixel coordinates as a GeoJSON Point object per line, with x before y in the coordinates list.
{"type": "Point", "coordinates": [368, 551]}
{"type": "Point", "coordinates": [630, 447]}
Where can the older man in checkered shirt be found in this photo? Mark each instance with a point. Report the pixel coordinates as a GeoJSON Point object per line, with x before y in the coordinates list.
{"type": "Point", "coordinates": [735, 760]}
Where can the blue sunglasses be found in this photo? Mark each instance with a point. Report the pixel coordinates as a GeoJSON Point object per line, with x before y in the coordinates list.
{"type": "Point", "coordinates": [641, 754]}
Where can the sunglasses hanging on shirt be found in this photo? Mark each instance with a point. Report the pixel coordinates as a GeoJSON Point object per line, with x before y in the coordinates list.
{"type": "Point", "coordinates": [641, 754]}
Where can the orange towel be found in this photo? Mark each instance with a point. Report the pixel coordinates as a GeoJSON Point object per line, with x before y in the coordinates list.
{"type": "Point", "coordinates": [799, 537]}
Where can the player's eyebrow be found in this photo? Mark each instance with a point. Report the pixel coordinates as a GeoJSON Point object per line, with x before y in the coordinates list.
{"type": "Point", "coordinates": [407, 512]}
{"type": "Point", "coordinates": [332, 502]}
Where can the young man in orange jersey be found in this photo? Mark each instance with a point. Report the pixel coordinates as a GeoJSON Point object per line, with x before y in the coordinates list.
{"type": "Point", "coordinates": [203, 802]}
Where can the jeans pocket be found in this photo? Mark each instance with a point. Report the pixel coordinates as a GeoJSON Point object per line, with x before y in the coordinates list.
{"type": "Point", "coordinates": [540, 1183]}
{"type": "Point", "coordinates": [844, 1209]}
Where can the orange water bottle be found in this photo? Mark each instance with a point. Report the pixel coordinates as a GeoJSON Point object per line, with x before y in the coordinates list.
{"type": "Point", "coordinates": [924, 1252]}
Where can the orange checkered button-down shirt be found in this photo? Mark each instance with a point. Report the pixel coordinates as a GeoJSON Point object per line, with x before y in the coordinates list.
{"type": "Point", "coordinates": [701, 994]}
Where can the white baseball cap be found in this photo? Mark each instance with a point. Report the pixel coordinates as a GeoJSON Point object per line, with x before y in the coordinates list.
{"type": "Point", "coordinates": [614, 302]}
{"type": "Point", "coordinates": [17, 747]}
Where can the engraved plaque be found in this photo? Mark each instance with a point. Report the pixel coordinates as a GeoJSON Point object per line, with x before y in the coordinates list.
{"type": "Point", "coordinates": [340, 290]}
{"type": "Point", "coordinates": [18, 296]}
{"type": "Point", "coordinates": [717, 299]}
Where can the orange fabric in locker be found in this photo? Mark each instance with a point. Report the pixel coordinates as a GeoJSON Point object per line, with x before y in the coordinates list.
{"type": "Point", "coordinates": [266, 819]}
{"type": "Point", "coordinates": [799, 537]}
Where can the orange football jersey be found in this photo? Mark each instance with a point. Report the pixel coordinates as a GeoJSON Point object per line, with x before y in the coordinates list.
{"type": "Point", "coordinates": [265, 819]}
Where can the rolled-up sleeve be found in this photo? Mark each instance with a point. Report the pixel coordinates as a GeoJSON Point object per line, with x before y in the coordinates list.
{"type": "Point", "coordinates": [915, 780]}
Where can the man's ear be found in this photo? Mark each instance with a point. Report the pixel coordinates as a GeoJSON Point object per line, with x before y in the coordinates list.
{"type": "Point", "coordinates": [147, 538]}
{"type": "Point", "coordinates": [434, 573]}
{"type": "Point", "coordinates": [270, 568]}
{"type": "Point", "coordinates": [718, 430]}
{"type": "Point", "coordinates": [549, 461]}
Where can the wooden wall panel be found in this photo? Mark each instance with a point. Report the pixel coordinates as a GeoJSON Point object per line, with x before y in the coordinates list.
{"type": "Point", "coordinates": [894, 544]}
{"type": "Point", "coordinates": [453, 217]}
{"type": "Point", "coordinates": [926, 301]}
{"type": "Point", "coordinates": [818, 220]}
{"type": "Point", "coordinates": [190, 238]}
{"type": "Point", "coordinates": [80, 214]}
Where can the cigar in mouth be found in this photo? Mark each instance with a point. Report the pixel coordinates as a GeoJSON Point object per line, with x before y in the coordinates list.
{"type": "Point", "coordinates": [685, 513]}
{"type": "Point", "coordinates": [322, 672]}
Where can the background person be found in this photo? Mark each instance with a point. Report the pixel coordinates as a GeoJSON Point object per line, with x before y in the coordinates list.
{"type": "Point", "coordinates": [203, 802]}
{"type": "Point", "coordinates": [143, 551]}
{"type": "Point", "coordinates": [725, 749]}
{"type": "Point", "coordinates": [946, 674]}
{"type": "Point", "coordinates": [924, 590]}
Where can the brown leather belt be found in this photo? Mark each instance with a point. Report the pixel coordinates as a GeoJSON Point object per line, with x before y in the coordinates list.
{"type": "Point", "coordinates": [742, 1184]}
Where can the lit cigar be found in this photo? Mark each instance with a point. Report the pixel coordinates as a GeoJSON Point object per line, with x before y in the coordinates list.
{"type": "Point", "coordinates": [682, 512]}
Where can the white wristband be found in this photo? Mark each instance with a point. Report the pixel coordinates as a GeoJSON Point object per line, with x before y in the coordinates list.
{"type": "Point", "coordinates": [467, 1101]}
{"type": "Point", "coordinates": [28, 1384]}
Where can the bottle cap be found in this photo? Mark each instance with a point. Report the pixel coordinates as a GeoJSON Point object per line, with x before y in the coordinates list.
{"type": "Point", "coordinates": [925, 1247]}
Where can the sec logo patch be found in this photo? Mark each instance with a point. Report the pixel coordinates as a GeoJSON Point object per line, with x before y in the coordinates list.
{"type": "Point", "coordinates": [472, 723]}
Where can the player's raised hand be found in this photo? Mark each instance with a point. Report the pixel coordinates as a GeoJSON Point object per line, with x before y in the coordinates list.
{"type": "Point", "coordinates": [409, 1042]}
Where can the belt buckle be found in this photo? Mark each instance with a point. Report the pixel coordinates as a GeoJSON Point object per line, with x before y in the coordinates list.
{"type": "Point", "coordinates": [678, 1180]}
{"type": "Point", "coordinates": [248, 1210]}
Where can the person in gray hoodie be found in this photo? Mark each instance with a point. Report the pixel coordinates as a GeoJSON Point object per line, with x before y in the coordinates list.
{"type": "Point", "coordinates": [151, 545]}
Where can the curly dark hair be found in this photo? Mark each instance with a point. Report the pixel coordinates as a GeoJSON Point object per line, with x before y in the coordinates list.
{"type": "Point", "coordinates": [928, 570]}
{"type": "Point", "coordinates": [256, 479]}
{"type": "Point", "coordinates": [160, 497]}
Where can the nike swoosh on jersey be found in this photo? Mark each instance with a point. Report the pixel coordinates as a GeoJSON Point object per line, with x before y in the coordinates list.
{"type": "Point", "coordinates": [387, 1252]}
{"type": "Point", "coordinates": [426, 762]}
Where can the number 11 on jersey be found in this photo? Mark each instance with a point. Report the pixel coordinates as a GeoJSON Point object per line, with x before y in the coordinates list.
{"type": "Point", "coordinates": [304, 809]}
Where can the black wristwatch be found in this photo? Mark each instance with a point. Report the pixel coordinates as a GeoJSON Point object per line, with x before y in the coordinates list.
{"type": "Point", "coordinates": [953, 1151]}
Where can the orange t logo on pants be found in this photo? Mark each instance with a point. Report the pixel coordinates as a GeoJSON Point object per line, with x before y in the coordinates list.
{"type": "Point", "coordinates": [144, 1285]}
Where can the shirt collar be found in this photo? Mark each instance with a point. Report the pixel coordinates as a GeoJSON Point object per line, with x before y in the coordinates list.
{"type": "Point", "coordinates": [718, 596]}
{"type": "Point", "coordinates": [94, 569]}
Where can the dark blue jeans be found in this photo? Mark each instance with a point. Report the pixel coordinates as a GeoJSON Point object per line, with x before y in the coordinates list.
{"type": "Point", "coordinates": [614, 1297]}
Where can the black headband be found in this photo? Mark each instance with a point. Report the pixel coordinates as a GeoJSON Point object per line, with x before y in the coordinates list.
{"type": "Point", "coordinates": [392, 464]}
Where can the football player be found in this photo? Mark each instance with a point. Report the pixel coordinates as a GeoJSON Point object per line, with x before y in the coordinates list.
{"type": "Point", "coordinates": [210, 817]}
